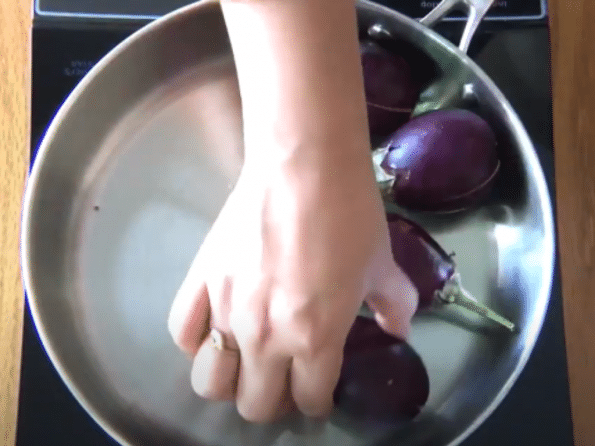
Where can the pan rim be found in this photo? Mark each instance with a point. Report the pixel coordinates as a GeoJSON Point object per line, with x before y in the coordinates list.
{"type": "Point", "coordinates": [32, 185]}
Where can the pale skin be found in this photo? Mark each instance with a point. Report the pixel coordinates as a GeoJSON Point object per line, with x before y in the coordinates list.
{"type": "Point", "coordinates": [302, 240]}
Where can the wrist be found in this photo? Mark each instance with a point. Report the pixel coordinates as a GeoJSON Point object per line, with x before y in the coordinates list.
{"type": "Point", "coordinates": [313, 173]}
{"type": "Point", "coordinates": [317, 154]}
{"type": "Point", "coordinates": [299, 73]}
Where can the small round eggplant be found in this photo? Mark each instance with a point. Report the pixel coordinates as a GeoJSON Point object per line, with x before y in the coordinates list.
{"type": "Point", "coordinates": [431, 269]}
{"type": "Point", "coordinates": [391, 92]}
{"type": "Point", "coordinates": [383, 380]}
{"type": "Point", "coordinates": [443, 161]}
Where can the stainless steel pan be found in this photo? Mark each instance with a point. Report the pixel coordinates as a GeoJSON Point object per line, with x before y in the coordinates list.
{"type": "Point", "coordinates": [128, 180]}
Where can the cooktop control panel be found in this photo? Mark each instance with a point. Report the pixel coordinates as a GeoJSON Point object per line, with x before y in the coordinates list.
{"type": "Point", "coordinates": [150, 9]}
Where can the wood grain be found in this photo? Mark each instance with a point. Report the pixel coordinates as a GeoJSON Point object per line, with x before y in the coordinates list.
{"type": "Point", "coordinates": [573, 71]}
{"type": "Point", "coordinates": [15, 31]}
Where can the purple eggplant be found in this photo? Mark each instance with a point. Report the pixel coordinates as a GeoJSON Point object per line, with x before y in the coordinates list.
{"type": "Point", "coordinates": [383, 380]}
{"type": "Point", "coordinates": [443, 161]}
{"type": "Point", "coordinates": [431, 269]}
{"type": "Point", "coordinates": [391, 91]}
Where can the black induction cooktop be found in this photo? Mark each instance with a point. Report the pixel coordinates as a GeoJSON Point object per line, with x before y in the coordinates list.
{"type": "Point", "coordinates": [512, 47]}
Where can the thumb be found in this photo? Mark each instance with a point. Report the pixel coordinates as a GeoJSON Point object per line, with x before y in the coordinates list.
{"type": "Point", "coordinates": [394, 302]}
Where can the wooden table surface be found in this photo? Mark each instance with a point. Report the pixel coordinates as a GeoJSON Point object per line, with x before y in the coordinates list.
{"type": "Point", "coordinates": [573, 67]}
{"type": "Point", "coordinates": [15, 81]}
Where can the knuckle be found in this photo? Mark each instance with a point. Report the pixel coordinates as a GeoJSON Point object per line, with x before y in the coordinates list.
{"type": "Point", "coordinates": [309, 337]}
{"type": "Point", "coordinates": [250, 329]}
{"type": "Point", "coordinates": [310, 329]}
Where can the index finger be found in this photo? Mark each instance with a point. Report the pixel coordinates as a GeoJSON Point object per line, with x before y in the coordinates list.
{"type": "Point", "coordinates": [189, 314]}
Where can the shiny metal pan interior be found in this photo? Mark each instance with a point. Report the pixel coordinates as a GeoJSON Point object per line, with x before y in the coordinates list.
{"type": "Point", "coordinates": [128, 180]}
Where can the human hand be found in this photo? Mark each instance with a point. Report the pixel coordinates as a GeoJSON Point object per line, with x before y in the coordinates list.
{"type": "Point", "coordinates": [296, 249]}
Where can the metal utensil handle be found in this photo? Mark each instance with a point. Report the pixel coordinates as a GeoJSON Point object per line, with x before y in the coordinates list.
{"type": "Point", "coordinates": [477, 9]}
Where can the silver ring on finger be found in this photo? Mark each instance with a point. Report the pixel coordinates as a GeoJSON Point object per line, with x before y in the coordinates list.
{"type": "Point", "coordinates": [218, 341]}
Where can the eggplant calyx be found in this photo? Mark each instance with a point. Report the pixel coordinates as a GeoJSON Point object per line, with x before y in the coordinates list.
{"type": "Point", "coordinates": [454, 293]}
{"type": "Point", "coordinates": [384, 179]}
